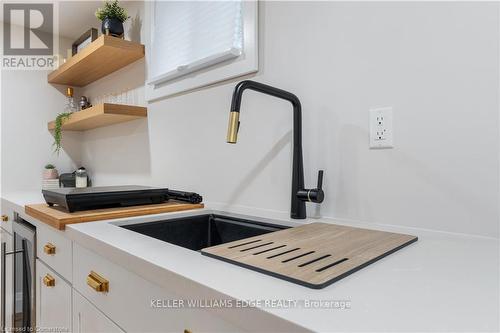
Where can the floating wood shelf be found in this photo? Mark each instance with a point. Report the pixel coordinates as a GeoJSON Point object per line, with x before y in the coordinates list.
{"type": "Point", "coordinates": [103, 56]}
{"type": "Point", "coordinates": [101, 115]}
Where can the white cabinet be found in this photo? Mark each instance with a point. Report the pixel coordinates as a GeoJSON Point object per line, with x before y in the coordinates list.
{"type": "Point", "coordinates": [53, 299]}
{"type": "Point", "coordinates": [130, 299]}
{"type": "Point", "coordinates": [88, 319]}
{"type": "Point", "coordinates": [7, 301]}
{"type": "Point", "coordinates": [55, 250]}
{"type": "Point", "coordinates": [78, 290]}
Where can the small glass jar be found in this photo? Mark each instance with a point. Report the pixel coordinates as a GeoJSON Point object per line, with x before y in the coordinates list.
{"type": "Point", "coordinates": [81, 177]}
{"type": "Point", "coordinates": [70, 101]}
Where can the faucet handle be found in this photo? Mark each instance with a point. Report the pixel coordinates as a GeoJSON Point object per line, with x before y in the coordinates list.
{"type": "Point", "coordinates": [315, 194]}
{"type": "Point", "coordinates": [320, 180]}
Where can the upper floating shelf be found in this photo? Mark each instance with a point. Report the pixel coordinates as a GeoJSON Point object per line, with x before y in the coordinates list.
{"type": "Point", "coordinates": [102, 57]}
{"type": "Point", "coordinates": [101, 115]}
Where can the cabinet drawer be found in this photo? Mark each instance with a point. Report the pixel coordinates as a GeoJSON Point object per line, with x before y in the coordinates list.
{"type": "Point", "coordinates": [88, 319]}
{"type": "Point", "coordinates": [53, 299]}
{"type": "Point", "coordinates": [55, 250]}
{"type": "Point", "coordinates": [129, 294]}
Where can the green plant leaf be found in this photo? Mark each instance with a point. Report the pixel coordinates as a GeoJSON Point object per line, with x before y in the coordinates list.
{"type": "Point", "coordinates": [110, 10]}
{"type": "Point", "coordinates": [58, 130]}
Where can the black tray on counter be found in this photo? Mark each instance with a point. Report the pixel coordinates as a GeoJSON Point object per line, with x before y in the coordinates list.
{"type": "Point", "coordinates": [75, 199]}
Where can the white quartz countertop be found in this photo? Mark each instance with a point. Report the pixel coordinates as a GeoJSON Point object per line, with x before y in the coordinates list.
{"type": "Point", "coordinates": [443, 282]}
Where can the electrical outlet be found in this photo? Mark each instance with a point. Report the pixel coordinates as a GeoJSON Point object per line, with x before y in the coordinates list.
{"type": "Point", "coordinates": [381, 128]}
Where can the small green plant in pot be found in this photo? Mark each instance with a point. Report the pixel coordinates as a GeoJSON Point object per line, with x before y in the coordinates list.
{"type": "Point", "coordinates": [50, 172]}
{"type": "Point", "coordinates": [112, 17]}
{"type": "Point", "coordinates": [61, 117]}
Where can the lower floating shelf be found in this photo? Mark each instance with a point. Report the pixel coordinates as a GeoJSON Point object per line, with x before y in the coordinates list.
{"type": "Point", "coordinates": [101, 115]}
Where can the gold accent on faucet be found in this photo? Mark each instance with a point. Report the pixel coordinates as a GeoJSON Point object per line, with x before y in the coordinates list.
{"type": "Point", "coordinates": [97, 282]}
{"type": "Point", "coordinates": [49, 248]}
{"type": "Point", "coordinates": [232, 129]}
{"type": "Point", "coordinates": [49, 280]}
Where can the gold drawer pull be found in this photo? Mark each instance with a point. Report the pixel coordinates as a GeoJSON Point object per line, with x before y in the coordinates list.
{"type": "Point", "coordinates": [97, 282]}
{"type": "Point", "coordinates": [5, 218]}
{"type": "Point", "coordinates": [49, 281]}
{"type": "Point", "coordinates": [49, 248]}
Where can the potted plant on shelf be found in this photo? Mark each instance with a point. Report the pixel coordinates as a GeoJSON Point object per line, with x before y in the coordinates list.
{"type": "Point", "coordinates": [50, 172]}
{"type": "Point", "coordinates": [112, 17]}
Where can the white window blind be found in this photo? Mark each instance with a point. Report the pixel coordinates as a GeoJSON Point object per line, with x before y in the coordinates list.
{"type": "Point", "coordinates": [188, 36]}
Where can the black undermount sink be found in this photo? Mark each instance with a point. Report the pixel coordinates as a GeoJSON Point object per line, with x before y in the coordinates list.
{"type": "Point", "coordinates": [201, 231]}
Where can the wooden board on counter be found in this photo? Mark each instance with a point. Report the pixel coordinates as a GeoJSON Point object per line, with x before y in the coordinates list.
{"type": "Point", "coordinates": [314, 255]}
{"type": "Point", "coordinates": [58, 217]}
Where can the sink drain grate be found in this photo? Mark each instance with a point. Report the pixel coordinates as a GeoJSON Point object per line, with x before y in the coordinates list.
{"type": "Point", "coordinates": [314, 255]}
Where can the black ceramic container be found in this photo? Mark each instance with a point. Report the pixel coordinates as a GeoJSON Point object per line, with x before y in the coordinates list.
{"type": "Point", "coordinates": [113, 25]}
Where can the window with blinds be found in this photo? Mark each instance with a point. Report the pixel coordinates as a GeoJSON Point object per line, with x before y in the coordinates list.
{"type": "Point", "coordinates": [189, 36]}
{"type": "Point", "coordinates": [192, 35]}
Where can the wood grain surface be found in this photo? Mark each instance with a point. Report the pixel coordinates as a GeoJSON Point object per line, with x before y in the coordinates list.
{"type": "Point", "coordinates": [58, 217]}
{"type": "Point", "coordinates": [101, 115]}
{"type": "Point", "coordinates": [101, 57]}
{"type": "Point", "coordinates": [314, 255]}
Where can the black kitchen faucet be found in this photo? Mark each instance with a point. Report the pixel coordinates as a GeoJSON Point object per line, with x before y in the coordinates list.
{"type": "Point", "coordinates": [299, 194]}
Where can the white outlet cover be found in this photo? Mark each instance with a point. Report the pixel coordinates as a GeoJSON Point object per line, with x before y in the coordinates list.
{"type": "Point", "coordinates": [381, 128]}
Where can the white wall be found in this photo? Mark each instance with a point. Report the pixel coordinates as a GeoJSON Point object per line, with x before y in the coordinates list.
{"type": "Point", "coordinates": [120, 154]}
{"type": "Point", "coordinates": [435, 63]}
{"type": "Point", "coordinates": [28, 102]}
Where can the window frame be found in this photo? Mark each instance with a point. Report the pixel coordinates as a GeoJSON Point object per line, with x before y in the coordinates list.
{"type": "Point", "coordinates": [244, 64]}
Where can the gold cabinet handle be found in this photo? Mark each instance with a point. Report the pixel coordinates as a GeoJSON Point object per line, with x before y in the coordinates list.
{"type": "Point", "coordinates": [49, 248]}
{"type": "Point", "coordinates": [49, 280]}
{"type": "Point", "coordinates": [5, 218]}
{"type": "Point", "coordinates": [97, 282]}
